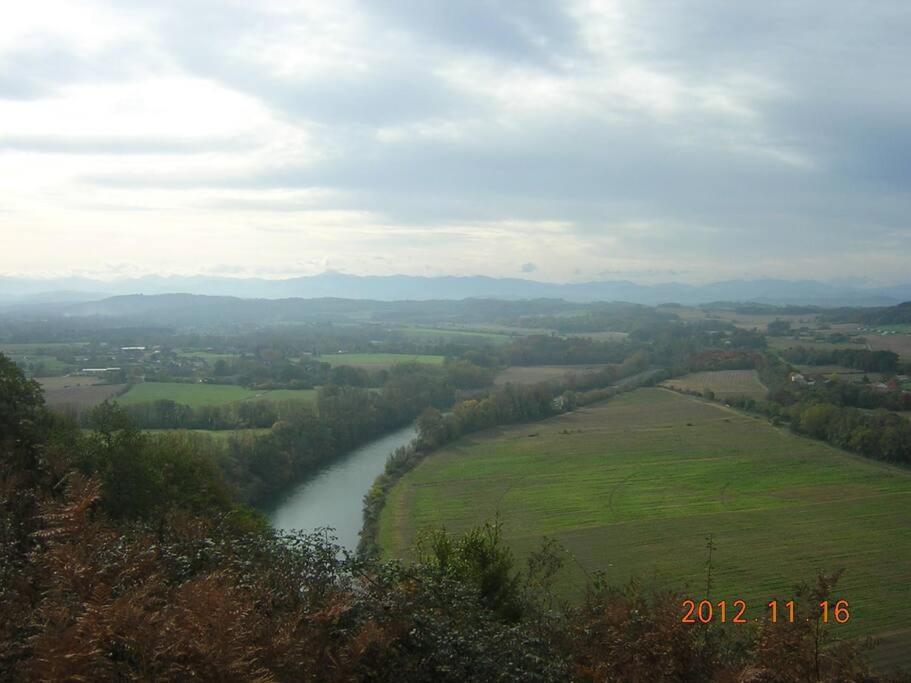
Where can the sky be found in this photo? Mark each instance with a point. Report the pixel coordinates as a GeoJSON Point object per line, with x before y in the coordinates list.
{"type": "Point", "coordinates": [553, 140]}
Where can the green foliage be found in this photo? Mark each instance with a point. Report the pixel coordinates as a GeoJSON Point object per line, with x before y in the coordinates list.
{"type": "Point", "coordinates": [860, 359]}
{"type": "Point", "coordinates": [144, 476]}
{"type": "Point", "coordinates": [778, 328]}
{"type": "Point", "coordinates": [478, 558]}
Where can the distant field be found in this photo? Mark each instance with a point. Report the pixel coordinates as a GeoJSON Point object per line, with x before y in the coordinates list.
{"type": "Point", "coordinates": [902, 328]}
{"type": "Point", "coordinates": [38, 347]}
{"type": "Point", "coordinates": [40, 365]}
{"type": "Point", "coordinates": [532, 374]}
{"type": "Point", "coordinates": [82, 392]}
{"type": "Point", "coordinates": [377, 360]}
{"type": "Point", "coordinates": [782, 343]}
{"type": "Point", "coordinates": [761, 320]}
{"type": "Point", "coordinates": [198, 395]}
{"type": "Point", "coordinates": [633, 487]}
{"type": "Point", "coordinates": [600, 336]}
{"type": "Point", "coordinates": [843, 373]}
{"type": "Point", "coordinates": [899, 343]}
{"type": "Point", "coordinates": [39, 359]}
{"type": "Point", "coordinates": [208, 356]}
{"type": "Point", "coordinates": [449, 332]}
{"type": "Point", "coordinates": [55, 383]}
{"type": "Point", "coordinates": [725, 383]}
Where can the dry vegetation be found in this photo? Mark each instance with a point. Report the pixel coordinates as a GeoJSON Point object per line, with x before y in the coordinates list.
{"type": "Point", "coordinates": [899, 343]}
{"type": "Point", "coordinates": [82, 392]}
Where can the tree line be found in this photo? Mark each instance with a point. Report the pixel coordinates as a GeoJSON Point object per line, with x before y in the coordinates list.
{"type": "Point", "coordinates": [858, 359]}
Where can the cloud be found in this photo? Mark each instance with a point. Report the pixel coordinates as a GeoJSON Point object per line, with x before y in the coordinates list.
{"type": "Point", "coordinates": [529, 267]}
{"type": "Point", "coordinates": [56, 144]}
{"type": "Point", "coordinates": [724, 136]}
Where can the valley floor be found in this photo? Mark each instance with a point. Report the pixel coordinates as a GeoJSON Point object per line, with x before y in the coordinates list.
{"type": "Point", "coordinates": [634, 486]}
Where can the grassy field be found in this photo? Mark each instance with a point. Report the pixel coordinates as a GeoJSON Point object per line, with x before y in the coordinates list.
{"type": "Point", "coordinates": [377, 360]}
{"type": "Point", "coordinates": [198, 395]}
{"type": "Point", "coordinates": [633, 487]}
{"type": "Point", "coordinates": [725, 383]}
{"type": "Point", "coordinates": [522, 374]}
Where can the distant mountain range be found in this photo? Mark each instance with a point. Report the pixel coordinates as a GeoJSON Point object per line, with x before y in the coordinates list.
{"type": "Point", "coordinates": [31, 292]}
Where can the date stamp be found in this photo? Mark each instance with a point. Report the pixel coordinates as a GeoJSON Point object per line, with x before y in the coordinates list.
{"type": "Point", "coordinates": [735, 611]}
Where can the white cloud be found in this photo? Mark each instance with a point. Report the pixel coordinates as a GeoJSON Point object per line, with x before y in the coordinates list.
{"type": "Point", "coordinates": [579, 137]}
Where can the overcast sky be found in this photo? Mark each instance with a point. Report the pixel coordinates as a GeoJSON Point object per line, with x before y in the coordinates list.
{"type": "Point", "coordinates": [651, 141]}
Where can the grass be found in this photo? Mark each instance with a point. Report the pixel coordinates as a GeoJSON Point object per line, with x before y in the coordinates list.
{"type": "Point", "coordinates": [633, 487]}
{"type": "Point", "coordinates": [198, 395]}
{"type": "Point", "coordinates": [378, 360]}
{"type": "Point", "coordinates": [725, 383]}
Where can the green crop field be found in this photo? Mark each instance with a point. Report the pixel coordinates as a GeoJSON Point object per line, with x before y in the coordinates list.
{"type": "Point", "coordinates": [197, 395]}
{"type": "Point", "coordinates": [633, 487]}
{"type": "Point", "coordinates": [377, 360]}
{"type": "Point", "coordinates": [725, 383]}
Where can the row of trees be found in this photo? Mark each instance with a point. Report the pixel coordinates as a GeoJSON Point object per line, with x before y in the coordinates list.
{"type": "Point", "coordinates": [542, 349]}
{"type": "Point", "coordinates": [263, 413]}
{"type": "Point", "coordinates": [859, 359]}
{"type": "Point", "coordinates": [880, 435]}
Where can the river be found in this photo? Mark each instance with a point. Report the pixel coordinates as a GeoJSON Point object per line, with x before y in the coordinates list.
{"type": "Point", "coordinates": [334, 495]}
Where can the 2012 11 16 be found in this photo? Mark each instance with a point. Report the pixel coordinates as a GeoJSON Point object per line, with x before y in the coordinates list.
{"type": "Point", "coordinates": [734, 611]}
